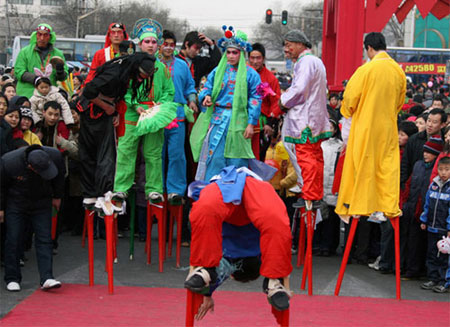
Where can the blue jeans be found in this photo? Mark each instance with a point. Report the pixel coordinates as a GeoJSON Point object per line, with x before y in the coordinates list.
{"type": "Point", "coordinates": [173, 152]}
{"type": "Point", "coordinates": [41, 220]}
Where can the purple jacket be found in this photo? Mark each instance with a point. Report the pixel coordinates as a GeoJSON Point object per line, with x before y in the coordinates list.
{"type": "Point", "coordinates": [307, 117]}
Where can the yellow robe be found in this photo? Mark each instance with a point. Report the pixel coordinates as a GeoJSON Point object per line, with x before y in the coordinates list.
{"type": "Point", "coordinates": [371, 175]}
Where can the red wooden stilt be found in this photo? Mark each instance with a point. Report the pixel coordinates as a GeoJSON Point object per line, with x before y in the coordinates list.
{"type": "Point", "coordinates": [282, 317]}
{"type": "Point", "coordinates": [301, 239]}
{"type": "Point", "coordinates": [83, 235]}
{"type": "Point", "coordinates": [396, 225]}
{"type": "Point", "coordinates": [193, 303]}
{"type": "Point", "coordinates": [156, 210]}
{"type": "Point", "coordinates": [171, 209]}
{"type": "Point", "coordinates": [109, 227]}
{"type": "Point", "coordinates": [179, 219]}
{"type": "Point", "coordinates": [348, 247]}
{"type": "Point", "coordinates": [307, 267]}
{"type": "Point", "coordinates": [176, 213]}
{"type": "Point", "coordinates": [115, 238]}
{"type": "Point", "coordinates": [89, 218]}
{"type": "Point", "coordinates": [54, 223]}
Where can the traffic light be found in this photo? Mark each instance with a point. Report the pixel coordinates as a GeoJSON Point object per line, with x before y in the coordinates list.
{"type": "Point", "coordinates": [284, 15]}
{"type": "Point", "coordinates": [268, 16]}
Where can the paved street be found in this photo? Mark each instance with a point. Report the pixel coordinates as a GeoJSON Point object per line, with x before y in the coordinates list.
{"type": "Point", "coordinates": [71, 266]}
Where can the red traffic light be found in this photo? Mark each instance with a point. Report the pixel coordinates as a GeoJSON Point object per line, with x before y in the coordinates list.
{"type": "Point", "coordinates": [268, 16]}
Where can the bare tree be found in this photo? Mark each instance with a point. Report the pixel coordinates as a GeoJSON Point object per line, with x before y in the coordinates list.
{"type": "Point", "coordinates": [128, 14]}
{"type": "Point", "coordinates": [307, 18]}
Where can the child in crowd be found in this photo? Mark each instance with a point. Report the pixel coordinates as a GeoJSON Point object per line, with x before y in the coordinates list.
{"type": "Point", "coordinates": [9, 89]}
{"type": "Point", "coordinates": [50, 128]}
{"type": "Point", "coordinates": [445, 152]}
{"type": "Point", "coordinates": [45, 92]}
{"type": "Point", "coordinates": [413, 239]}
{"type": "Point", "coordinates": [26, 124]}
{"type": "Point", "coordinates": [436, 220]}
{"type": "Point", "coordinates": [326, 235]}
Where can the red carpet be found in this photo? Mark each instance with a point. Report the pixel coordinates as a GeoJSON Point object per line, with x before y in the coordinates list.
{"type": "Point", "coordinates": [80, 305]}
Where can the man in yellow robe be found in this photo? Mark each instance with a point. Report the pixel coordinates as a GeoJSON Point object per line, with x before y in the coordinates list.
{"type": "Point", "coordinates": [373, 97]}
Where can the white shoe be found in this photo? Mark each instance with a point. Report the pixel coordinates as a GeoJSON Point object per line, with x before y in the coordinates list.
{"type": "Point", "coordinates": [155, 197]}
{"type": "Point", "coordinates": [13, 287]}
{"type": "Point", "coordinates": [376, 264]}
{"type": "Point", "coordinates": [174, 197]}
{"type": "Point", "coordinates": [51, 283]}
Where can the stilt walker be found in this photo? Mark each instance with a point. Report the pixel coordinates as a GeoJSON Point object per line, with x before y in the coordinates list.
{"type": "Point", "coordinates": [256, 239]}
{"type": "Point", "coordinates": [306, 125]}
{"type": "Point", "coordinates": [370, 179]}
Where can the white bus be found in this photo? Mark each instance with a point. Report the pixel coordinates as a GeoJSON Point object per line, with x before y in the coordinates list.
{"type": "Point", "coordinates": [77, 52]}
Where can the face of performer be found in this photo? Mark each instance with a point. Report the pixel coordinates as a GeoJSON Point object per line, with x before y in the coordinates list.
{"type": "Point", "coordinates": [167, 48]}
{"type": "Point", "coordinates": [42, 39]}
{"type": "Point", "coordinates": [292, 50]}
{"type": "Point", "coordinates": [116, 35]}
{"type": "Point", "coordinates": [233, 56]}
{"type": "Point", "coordinates": [192, 51]}
{"type": "Point", "coordinates": [149, 45]}
{"type": "Point", "coordinates": [256, 60]}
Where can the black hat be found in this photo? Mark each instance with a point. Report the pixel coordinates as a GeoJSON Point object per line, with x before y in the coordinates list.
{"type": "Point", "coordinates": [11, 108]}
{"type": "Point", "coordinates": [147, 65]}
{"type": "Point", "coordinates": [42, 164]}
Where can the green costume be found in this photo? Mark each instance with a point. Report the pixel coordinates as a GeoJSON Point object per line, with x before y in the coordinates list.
{"type": "Point", "coordinates": [162, 91]}
{"type": "Point", "coordinates": [29, 58]}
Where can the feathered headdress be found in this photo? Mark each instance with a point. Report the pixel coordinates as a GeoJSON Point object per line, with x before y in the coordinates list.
{"type": "Point", "coordinates": [147, 27]}
{"type": "Point", "coordinates": [234, 39]}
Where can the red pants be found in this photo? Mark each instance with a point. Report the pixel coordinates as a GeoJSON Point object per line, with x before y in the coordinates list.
{"type": "Point", "coordinates": [261, 206]}
{"type": "Point", "coordinates": [310, 160]}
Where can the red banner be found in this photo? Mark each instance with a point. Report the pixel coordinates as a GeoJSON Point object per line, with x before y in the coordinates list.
{"type": "Point", "coordinates": [422, 68]}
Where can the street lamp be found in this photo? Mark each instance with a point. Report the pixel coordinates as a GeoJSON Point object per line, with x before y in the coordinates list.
{"type": "Point", "coordinates": [83, 17]}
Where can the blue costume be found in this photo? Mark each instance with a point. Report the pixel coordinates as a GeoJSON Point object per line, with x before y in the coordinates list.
{"type": "Point", "coordinates": [173, 151]}
{"type": "Point", "coordinates": [221, 116]}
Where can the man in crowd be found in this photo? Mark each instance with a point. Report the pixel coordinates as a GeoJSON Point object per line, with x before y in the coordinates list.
{"type": "Point", "coordinates": [306, 123]}
{"type": "Point", "coordinates": [186, 98]}
{"type": "Point", "coordinates": [116, 34]}
{"type": "Point", "coordinates": [38, 54]}
{"type": "Point", "coordinates": [270, 110]}
{"type": "Point", "coordinates": [373, 97]}
{"type": "Point", "coordinates": [32, 184]}
{"type": "Point", "coordinates": [436, 121]}
{"type": "Point", "coordinates": [199, 65]}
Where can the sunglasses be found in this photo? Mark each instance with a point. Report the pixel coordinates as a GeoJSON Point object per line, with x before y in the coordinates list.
{"type": "Point", "coordinates": [150, 41]}
{"type": "Point", "coordinates": [234, 52]}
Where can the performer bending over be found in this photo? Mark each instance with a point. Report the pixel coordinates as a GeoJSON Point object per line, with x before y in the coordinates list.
{"type": "Point", "coordinates": [242, 208]}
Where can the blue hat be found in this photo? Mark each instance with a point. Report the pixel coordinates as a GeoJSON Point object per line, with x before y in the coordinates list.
{"type": "Point", "coordinates": [234, 39]}
{"type": "Point", "coordinates": [147, 27]}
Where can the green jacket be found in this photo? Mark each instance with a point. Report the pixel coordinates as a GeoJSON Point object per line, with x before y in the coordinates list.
{"type": "Point", "coordinates": [162, 91]}
{"type": "Point", "coordinates": [28, 59]}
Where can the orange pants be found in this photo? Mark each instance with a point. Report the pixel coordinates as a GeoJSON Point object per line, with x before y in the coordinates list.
{"type": "Point", "coordinates": [260, 206]}
{"type": "Point", "coordinates": [310, 160]}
